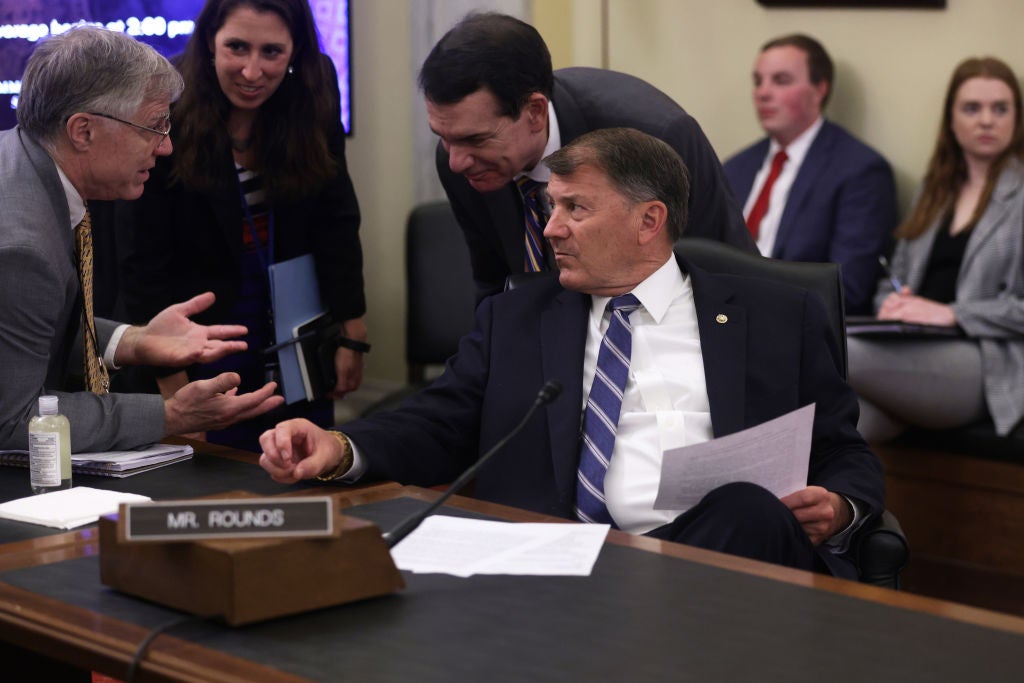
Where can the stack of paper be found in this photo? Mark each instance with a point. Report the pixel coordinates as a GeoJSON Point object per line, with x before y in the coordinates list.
{"type": "Point", "coordinates": [68, 508]}
{"type": "Point", "coordinates": [118, 464]}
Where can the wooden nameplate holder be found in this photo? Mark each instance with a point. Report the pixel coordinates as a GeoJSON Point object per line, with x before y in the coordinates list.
{"type": "Point", "coordinates": [245, 580]}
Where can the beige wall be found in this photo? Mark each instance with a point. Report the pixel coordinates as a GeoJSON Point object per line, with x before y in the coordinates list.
{"type": "Point", "coordinates": [379, 154]}
{"type": "Point", "coordinates": [892, 67]}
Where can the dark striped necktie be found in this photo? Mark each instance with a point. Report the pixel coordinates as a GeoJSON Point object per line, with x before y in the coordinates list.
{"type": "Point", "coordinates": [536, 218]}
{"type": "Point", "coordinates": [601, 419]}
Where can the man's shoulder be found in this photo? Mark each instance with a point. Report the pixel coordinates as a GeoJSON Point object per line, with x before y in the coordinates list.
{"type": "Point", "coordinates": [586, 93]}
{"type": "Point", "coordinates": [751, 153]}
{"type": "Point", "coordinates": [842, 142]}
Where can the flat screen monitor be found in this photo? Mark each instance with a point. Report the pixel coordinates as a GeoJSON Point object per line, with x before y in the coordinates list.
{"type": "Point", "coordinates": [164, 24]}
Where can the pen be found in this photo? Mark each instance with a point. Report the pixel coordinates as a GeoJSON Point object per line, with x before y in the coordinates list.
{"type": "Point", "coordinates": [896, 284]}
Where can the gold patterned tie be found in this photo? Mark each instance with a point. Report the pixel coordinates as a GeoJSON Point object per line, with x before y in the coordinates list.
{"type": "Point", "coordinates": [96, 378]}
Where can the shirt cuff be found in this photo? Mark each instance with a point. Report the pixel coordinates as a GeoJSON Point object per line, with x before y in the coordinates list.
{"type": "Point", "coordinates": [359, 465]}
{"type": "Point", "coordinates": [839, 543]}
{"type": "Point", "coordinates": [111, 350]}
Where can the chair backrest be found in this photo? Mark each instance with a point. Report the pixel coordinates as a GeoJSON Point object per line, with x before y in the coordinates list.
{"type": "Point", "coordinates": [441, 295]}
{"type": "Point", "coordinates": [824, 279]}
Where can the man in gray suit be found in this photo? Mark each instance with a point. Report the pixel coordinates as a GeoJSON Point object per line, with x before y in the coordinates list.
{"type": "Point", "coordinates": [499, 109]}
{"type": "Point", "coordinates": [93, 116]}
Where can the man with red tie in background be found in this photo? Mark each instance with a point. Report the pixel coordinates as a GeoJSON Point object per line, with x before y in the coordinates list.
{"type": "Point", "coordinates": [810, 190]}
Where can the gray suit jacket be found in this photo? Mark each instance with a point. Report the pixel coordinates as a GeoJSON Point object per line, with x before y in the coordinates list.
{"type": "Point", "coordinates": [40, 310]}
{"type": "Point", "coordinates": [989, 301]}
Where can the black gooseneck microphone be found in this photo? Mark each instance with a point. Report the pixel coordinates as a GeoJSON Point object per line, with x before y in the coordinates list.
{"type": "Point", "coordinates": [548, 393]}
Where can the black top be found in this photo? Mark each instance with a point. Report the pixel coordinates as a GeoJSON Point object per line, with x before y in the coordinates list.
{"type": "Point", "coordinates": [939, 283]}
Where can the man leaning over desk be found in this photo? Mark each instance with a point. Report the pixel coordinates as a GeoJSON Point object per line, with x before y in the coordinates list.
{"type": "Point", "coordinates": [498, 109]}
{"type": "Point", "coordinates": [701, 355]}
{"type": "Point", "coordinates": [93, 116]}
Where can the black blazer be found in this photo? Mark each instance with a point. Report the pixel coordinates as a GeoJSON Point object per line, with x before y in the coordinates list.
{"type": "Point", "coordinates": [771, 357]}
{"type": "Point", "coordinates": [588, 99]}
{"type": "Point", "coordinates": [181, 242]}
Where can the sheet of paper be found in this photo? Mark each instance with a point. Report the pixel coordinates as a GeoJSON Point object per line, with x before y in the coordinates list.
{"type": "Point", "coordinates": [463, 547]}
{"type": "Point", "coordinates": [774, 454]}
{"type": "Point", "coordinates": [68, 508]}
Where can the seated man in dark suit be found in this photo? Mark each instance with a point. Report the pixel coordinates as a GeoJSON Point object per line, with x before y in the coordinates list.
{"type": "Point", "coordinates": [810, 190]}
{"type": "Point", "coordinates": [685, 356]}
{"type": "Point", "coordinates": [498, 108]}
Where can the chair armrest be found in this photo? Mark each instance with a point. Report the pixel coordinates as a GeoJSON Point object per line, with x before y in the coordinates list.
{"type": "Point", "coordinates": [882, 551]}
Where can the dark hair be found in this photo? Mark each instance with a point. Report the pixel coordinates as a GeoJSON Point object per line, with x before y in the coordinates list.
{"type": "Point", "coordinates": [640, 166]}
{"type": "Point", "coordinates": [488, 50]}
{"type": "Point", "coordinates": [90, 69]}
{"type": "Point", "coordinates": [292, 126]}
{"type": "Point", "coordinates": [819, 64]}
{"type": "Point", "coordinates": [947, 169]}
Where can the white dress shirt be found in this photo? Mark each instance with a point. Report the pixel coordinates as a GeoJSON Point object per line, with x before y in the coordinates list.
{"type": "Point", "coordinates": [541, 173]}
{"type": "Point", "coordinates": [665, 403]}
{"type": "Point", "coordinates": [76, 208]}
{"type": "Point", "coordinates": [796, 151]}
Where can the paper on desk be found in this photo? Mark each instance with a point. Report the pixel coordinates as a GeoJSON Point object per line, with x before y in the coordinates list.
{"type": "Point", "coordinates": [463, 547]}
{"type": "Point", "coordinates": [68, 508]}
{"type": "Point", "coordinates": [774, 455]}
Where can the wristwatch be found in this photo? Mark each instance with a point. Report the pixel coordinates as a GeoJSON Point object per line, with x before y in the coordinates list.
{"type": "Point", "coordinates": [345, 464]}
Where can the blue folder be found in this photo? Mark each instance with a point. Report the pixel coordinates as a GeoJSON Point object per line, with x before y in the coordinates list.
{"type": "Point", "coordinates": [295, 298]}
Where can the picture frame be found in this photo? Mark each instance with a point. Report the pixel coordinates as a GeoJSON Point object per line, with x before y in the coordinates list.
{"type": "Point", "coordinates": [856, 4]}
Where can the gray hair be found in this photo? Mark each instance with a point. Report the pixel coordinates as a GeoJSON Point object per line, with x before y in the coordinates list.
{"type": "Point", "coordinates": [90, 69]}
{"type": "Point", "coordinates": [641, 167]}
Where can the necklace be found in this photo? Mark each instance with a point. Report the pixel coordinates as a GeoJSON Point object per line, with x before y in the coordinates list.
{"type": "Point", "coordinates": [241, 144]}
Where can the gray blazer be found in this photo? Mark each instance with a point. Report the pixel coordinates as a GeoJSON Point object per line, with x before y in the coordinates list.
{"type": "Point", "coordinates": [40, 311]}
{"type": "Point", "coordinates": [989, 301]}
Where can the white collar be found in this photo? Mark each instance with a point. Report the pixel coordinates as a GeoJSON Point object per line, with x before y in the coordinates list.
{"type": "Point", "coordinates": [541, 173]}
{"type": "Point", "coordinates": [797, 150]}
{"type": "Point", "coordinates": [76, 205]}
{"type": "Point", "coordinates": [656, 293]}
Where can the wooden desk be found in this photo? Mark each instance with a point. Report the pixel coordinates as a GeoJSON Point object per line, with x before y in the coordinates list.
{"type": "Point", "coordinates": [652, 611]}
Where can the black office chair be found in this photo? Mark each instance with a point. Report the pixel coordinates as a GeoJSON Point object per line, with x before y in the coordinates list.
{"type": "Point", "coordinates": [440, 293]}
{"type": "Point", "coordinates": [881, 549]}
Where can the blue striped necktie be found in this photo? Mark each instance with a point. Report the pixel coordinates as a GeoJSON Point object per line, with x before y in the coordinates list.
{"type": "Point", "coordinates": [536, 218]}
{"type": "Point", "coordinates": [601, 419]}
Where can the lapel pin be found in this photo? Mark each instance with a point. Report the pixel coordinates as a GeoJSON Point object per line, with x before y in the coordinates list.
{"type": "Point", "coordinates": [721, 318]}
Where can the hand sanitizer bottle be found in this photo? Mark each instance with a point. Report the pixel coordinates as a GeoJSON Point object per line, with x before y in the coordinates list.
{"type": "Point", "coordinates": [49, 447]}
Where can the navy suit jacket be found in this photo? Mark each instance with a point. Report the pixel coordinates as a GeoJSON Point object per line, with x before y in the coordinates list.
{"type": "Point", "coordinates": [841, 208]}
{"type": "Point", "coordinates": [771, 357]}
{"type": "Point", "coordinates": [588, 99]}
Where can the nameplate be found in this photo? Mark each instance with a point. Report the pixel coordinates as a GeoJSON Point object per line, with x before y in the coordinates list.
{"type": "Point", "coordinates": [193, 520]}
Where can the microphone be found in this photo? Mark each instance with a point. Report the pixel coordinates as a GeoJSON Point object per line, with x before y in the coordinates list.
{"type": "Point", "coordinates": [548, 393]}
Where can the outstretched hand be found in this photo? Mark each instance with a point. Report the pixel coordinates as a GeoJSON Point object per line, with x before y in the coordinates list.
{"type": "Point", "coordinates": [171, 339]}
{"type": "Point", "coordinates": [215, 403]}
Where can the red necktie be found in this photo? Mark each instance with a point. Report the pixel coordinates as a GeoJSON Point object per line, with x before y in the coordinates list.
{"type": "Point", "coordinates": [761, 205]}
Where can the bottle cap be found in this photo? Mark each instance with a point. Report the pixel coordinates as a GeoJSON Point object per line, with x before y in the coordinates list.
{"type": "Point", "coordinates": [47, 405]}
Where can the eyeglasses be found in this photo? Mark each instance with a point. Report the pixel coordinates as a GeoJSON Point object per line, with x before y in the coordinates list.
{"type": "Point", "coordinates": [162, 133]}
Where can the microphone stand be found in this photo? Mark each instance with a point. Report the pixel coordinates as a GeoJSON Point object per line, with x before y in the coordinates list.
{"type": "Point", "coordinates": [548, 393]}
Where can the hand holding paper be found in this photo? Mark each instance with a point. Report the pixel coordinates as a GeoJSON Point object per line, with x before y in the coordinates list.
{"type": "Point", "coordinates": [821, 512]}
